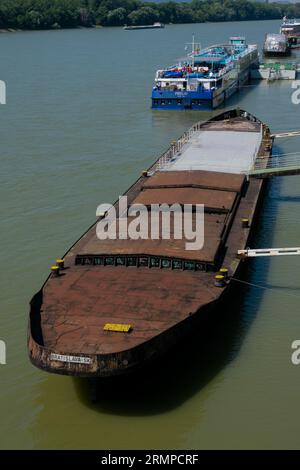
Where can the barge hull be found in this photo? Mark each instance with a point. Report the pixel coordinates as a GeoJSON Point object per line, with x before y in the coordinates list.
{"type": "Point", "coordinates": [140, 357]}
{"type": "Point", "coordinates": [65, 331]}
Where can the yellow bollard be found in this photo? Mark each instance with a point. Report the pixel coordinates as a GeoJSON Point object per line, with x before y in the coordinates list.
{"type": "Point", "coordinates": [219, 280]}
{"type": "Point", "coordinates": [55, 271]}
{"type": "Point", "coordinates": [224, 272]}
{"type": "Point", "coordinates": [245, 223]}
{"type": "Point", "coordinates": [60, 263]}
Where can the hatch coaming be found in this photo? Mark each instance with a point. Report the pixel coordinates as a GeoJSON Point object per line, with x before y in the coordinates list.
{"type": "Point", "coordinates": [160, 248]}
{"type": "Point", "coordinates": [195, 179]}
{"type": "Point", "coordinates": [219, 194]}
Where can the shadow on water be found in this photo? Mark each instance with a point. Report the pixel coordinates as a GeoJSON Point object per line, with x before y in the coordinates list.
{"type": "Point", "coordinates": [288, 199]}
{"type": "Point", "coordinates": [190, 366]}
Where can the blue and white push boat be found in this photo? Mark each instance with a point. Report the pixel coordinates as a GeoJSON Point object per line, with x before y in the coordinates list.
{"type": "Point", "coordinates": [205, 78]}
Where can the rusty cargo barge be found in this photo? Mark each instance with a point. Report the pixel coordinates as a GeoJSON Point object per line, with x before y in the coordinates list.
{"type": "Point", "coordinates": [111, 306]}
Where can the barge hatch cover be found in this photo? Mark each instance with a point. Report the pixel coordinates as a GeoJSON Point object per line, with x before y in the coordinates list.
{"type": "Point", "coordinates": [229, 152]}
{"type": "Point", "coordinates": [214, 200]}
{"type": "Point", "coordinates": [214, 227]}
{"type": "Point", "coordinates": [195, 179]}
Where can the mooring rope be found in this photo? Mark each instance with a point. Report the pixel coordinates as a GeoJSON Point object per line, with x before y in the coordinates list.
{"type": "Point", "coordinates": [278, 291]}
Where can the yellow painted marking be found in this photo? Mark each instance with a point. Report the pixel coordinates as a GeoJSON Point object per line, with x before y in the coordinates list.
{"type": "Point", "coordinates": [117, 327]}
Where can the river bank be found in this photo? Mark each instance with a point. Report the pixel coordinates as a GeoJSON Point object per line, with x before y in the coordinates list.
{"type": "Point", "coordinates": [44, 15]}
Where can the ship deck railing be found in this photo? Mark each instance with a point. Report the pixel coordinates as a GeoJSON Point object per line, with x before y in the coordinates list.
{"type": "Point", "coordinates": [176, 148]}
{"type": "Point", "coordinates": [167, 159]}
{"type": "Point", "coordinates": [292, 21]}
{"type": "Point", "coordinates": [205, 75]}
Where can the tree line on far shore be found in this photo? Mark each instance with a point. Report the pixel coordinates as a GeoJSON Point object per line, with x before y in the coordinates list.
{"type": "Point", "coordinates": [55, 14]}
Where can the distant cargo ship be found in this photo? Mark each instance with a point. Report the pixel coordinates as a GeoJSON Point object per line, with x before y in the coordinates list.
{"type": "Point", "coordinates": [205, 79]}
{"type": "Point", "coordinates": [111, 306]}
{"type": "Point", "coordinates": [291, 29]}
{"type": "Point", "coordinates": [276, 45]}
{"type": "Point", "coordinates": [150, 26]}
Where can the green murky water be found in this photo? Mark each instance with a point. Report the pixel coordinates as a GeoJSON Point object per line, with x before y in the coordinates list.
{"type": "Point", "coordinates": [76, 131]}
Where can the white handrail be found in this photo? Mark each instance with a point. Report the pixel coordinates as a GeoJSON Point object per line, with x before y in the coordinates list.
{"type": "Point", "coordinates": [251, 253]}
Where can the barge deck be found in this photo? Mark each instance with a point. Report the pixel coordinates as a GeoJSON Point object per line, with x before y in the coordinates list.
{"type": "Point", "coordinates": [154, 288]}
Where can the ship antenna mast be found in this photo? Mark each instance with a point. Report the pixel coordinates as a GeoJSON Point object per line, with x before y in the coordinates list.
{"type": "Point", "coordinates": [194, 47]}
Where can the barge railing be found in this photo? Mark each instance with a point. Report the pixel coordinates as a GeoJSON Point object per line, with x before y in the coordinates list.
{"type": "Point", "coordinates": [176, 147]}
{"type": "Point", "coordinates": [277, 165]}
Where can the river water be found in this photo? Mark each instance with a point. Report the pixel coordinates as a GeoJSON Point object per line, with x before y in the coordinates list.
{"type": "Point", "coordinates": [76, 131]}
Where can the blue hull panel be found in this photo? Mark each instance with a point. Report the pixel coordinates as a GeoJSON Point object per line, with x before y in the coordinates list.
{"type": "Point", "coordinates": [182, 100]}
{"type": "Point", "coordinates": [200, 100]}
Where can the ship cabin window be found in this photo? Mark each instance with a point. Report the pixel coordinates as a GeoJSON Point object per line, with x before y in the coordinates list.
{"type": "Point", "coordinates": [131, 261]}
{"type": "Point", "coordinates": [177, 264]}
{"type": "Point", "coordinates": [179, 102]}
{"type": "Point", "coordinates": [200, 267]}
{"type": "Point", "coordinates": [197, 102]}
{"type": "Point", "coordinates": [143, 261]}
{"type": "Point", "coordinates": [154, 263]}
{"type": "Point", "coordinates": [165, 263]}
{"type": "Point", "coordinates": [162, 102]}
{"type": "Point", "coordinates": [190, 265]}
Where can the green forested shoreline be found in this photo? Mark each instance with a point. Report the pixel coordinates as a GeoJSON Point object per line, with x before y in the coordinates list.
{"type": "Point", "coordinates": [52, 14]}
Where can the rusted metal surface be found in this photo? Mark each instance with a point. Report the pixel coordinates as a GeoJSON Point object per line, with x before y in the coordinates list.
{"type": "Point", "coordinates": [195, 179]}
{"type": "Point", "coordinates": [67, 316]}
{"type": "Point", "coordinates": [214, 225]}
{"type": "Point", "coordinates": [229, 124]}
{"type": "Point", "coordinates": [149, 299]}
{"type": "Point", "coordinates": [214, 200]}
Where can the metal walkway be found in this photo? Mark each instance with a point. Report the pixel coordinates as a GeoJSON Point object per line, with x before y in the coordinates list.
{"type": "Point", "coordinates": [281, 135]}
{"type": "Point", "coordinates": [277, 165]}
{"type": "Point", "coordinates": [268, 252]}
